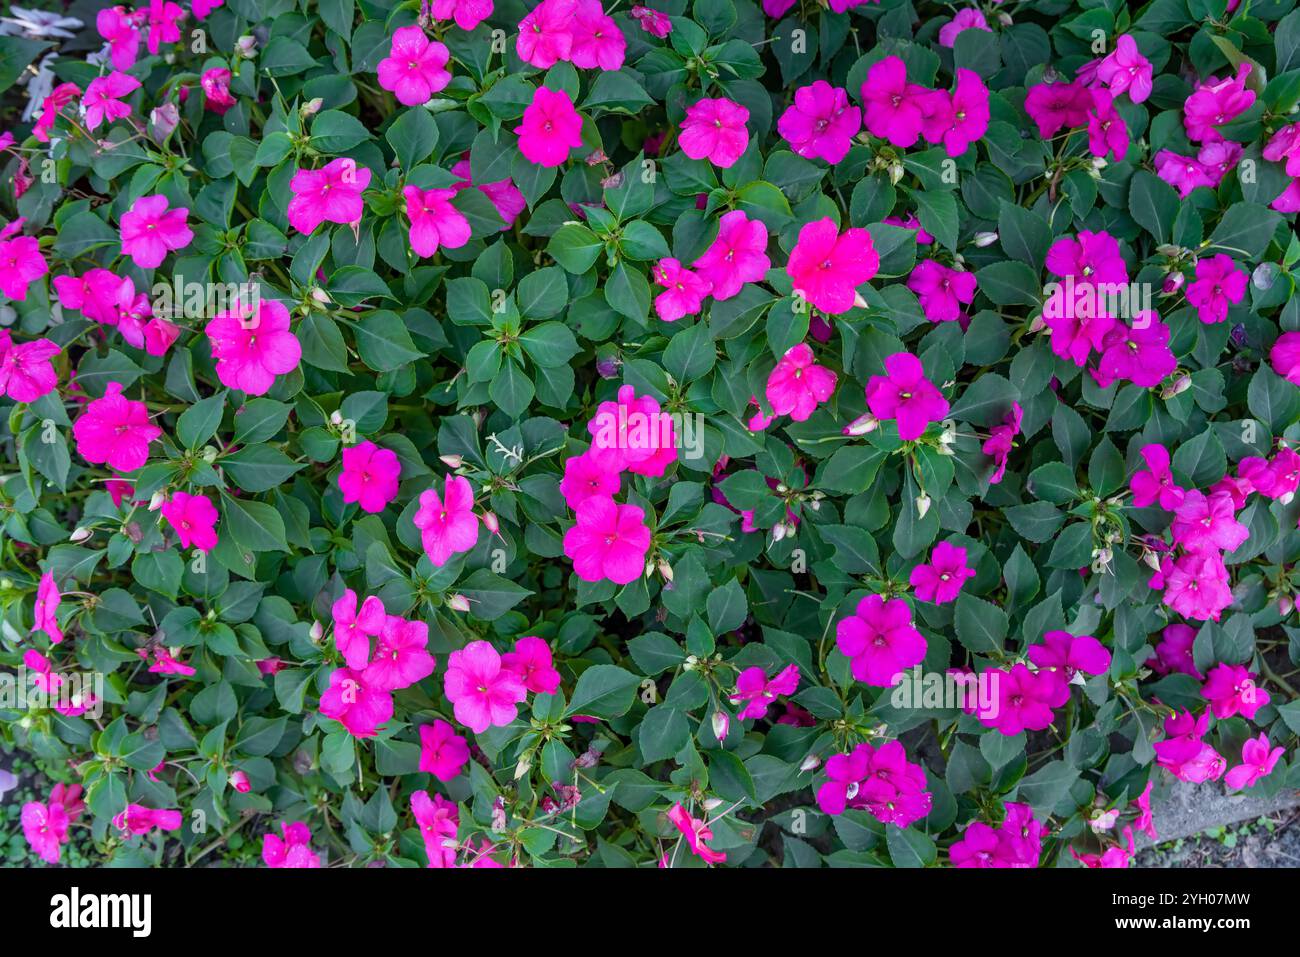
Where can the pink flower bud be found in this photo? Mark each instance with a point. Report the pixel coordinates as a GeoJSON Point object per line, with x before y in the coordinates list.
{"type": "Point", "coordinates": [721, 724]}
{"type": "Point", "coordinates": [239, 781]}
{"type": "Point", "coordinates": [458, 603]}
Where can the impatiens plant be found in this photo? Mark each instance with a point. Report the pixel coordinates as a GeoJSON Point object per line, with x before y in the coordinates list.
{"type": "Point", "coordinates": [481, 433]}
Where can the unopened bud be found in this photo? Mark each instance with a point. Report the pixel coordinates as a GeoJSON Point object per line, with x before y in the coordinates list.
{"type": "Point", "coordinates": [210, 453]}
{"type": "Point", "coordinates": [721, 724]}
{"type": "Point", "coordinates": [862, 425]}
{"type": "Point", "coordinates": [985, 239]}
{"type": "Point", "coordinates": [1285, 604]}
{"type": "Point", "coordinates": [665, 570]}
{"type": "Point", "coordinates": [522, 767]}
{"type": "Point", "coordinates": [246, 47]}
{"type": "Point", "coordinates": [451, 461]}
{"type": "Point", "coordinates": [80, 534]}
{"type": "Point", "coordinates": [492, 523]}
{"type": "Point", "coordinates": [458, 603]}
{"type": "Point", "coordinates": [1177, 387]}
{"type": "Point", "coordinates": [156, 500]}
{"type": "Point", "coordinates": [163, 121]}
{"type": "Point", "coordinates": [712, 804]}
{"type": "Point", "coordinates": [336, 418]}
{"type": "Point", "coordinates": [1173, 282]}
{"type": "Point", "coordinates": [239, 781]}
{"type": "Point", "coordinates": [312, 107]}
{"type": "Point", "coordinates": [922, 505]}
{"type": "Point", "coordinates": [858, 301]}
{"type": "Point", "coordinates": [320, 295]}
{"type": "Point", "coordinates": [810, 763]}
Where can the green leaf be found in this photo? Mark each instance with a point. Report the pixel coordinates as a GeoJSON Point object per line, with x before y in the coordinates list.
{"type": "Point", "coordinates": [603, 691]}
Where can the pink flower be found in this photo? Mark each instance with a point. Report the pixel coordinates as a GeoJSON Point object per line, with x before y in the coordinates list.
{"type": "Point", "coordinates": [46, 612]}
{"type": "Point", "coordinates": [62, 95]}
{"type": "Point", "coordinates": [294, 851]}
{"type": "Point", "coordinates": [443, 752]}
{"type": "Point", "coordinates": [369, 476]}
{"type": "Point", "coordinates": [1126, 70]}
{"type": "Point", "coordinates": [504, 195]}
{"type": "Point", "coordinates": [216, 90]}
{"type": "Point", "coordinates": [1156, 483]}
{"type": "Point", "coordinates": [483, 693]}
{"type": "Point", "coordinates": [195, 519]}
{"type": "Point", "coordinates": [467, 13]}
{"type": "Point", "coordinates": [1217, 102]}
{"type": "Point", "coordinates": [905, 394]}
{"type": "Point", "coordinates": [1139, 354]}
{"type": "Point", "coordinates": [1257, 761]}
{"type": "Point", "coordinates": [632, 433]}
{"type": "Point", "coordinates": [1143, 822]}
{"type": "Point", "coordinates": [685, 290]}
{"type": "Point", "coordinates": [1183, 173]}
{"type": "Point", "coordinates": [353, 630]}
{"type": "Point", "coordinates": [119, 28]}
{"type": "Point", "coordinates": [26, 369]}
{"type": "Point", "coordinates": [355, 703]}
{"type": "Point", "coordinates": [1054, 106]}
{"type": "Point", "coordinates": [149, 230]}
{"type": "Point", "coordinates": [1173, 653]}
{"type": "Point", "coordinates": [1077, 333]}
{"type": "Point", "coordinates": [239, 781]}
{"type": "Point", "coordinates": [201, 8]}
{"type": "Point", "coordinates": [714, 129]}
{"type": "Point", "coordinates": [941, 291]}
{"type": "Point", "coordinates": [415, 67]}
{"type": "Point", "coordinates": [103, 96]}
{"type": "Point", "coordinates": [1220, 282]}
{"type": "Point", "coordinates": [958, 120]}
{"type": "Point", "coordinates": [434, 221]}
{"type": "Point", "coordinates": [1001, 440]}
{"type": "Point", "coordinates": [940, 581]}
{"type": "Point", "coordinates": [1091, 257]}
{"type": "Point", "coordinates": [138, 819]}
{"type": "Point", "coordinates": [546, 33]}
{"type": "Point", "coordinates": [585, 477]}
{"type": "Point", "coordinates": [21, 264]}
{"type": "Point", "coordinates": [447, 525]}
{"type": "Point", "coordinates": [891, 107]}
{"type": "Point", "coordinates": [879, 640]}
{"type": "Point", "coordinates": [165, 662]}
{"type": "Point", "coordinates": [1285, 357]}
{"type": "Point", "coordinates": [697, 832]}
{"type": "Point", "coordinates": [608, 541]}
{"type": "Point", "coordinates": [911, 222]}
{"type": "Point", "coordinates": [163, 19]}
{"type": "Point", "coordinates": [1182, 752]}
{"type": "Point", "coordinates": [1107, 131]}
{"type": "Point", "coordinates": [45, 826]}
{"type": "Point", "coordinates": [879, 780]}
{"type": "Point", "coordinates": [737, 256]}
{"type": "Point", "coordinates": [401, 657]}
{"type": "Point", "coordinates": [1209, 522]}
{"type": "Point", "coordinates": [1231, 689]}
{"type": "Point", "coordinates": [758, 692]}
{"type": "Point", "coordinates": [550, 128]}
{"type": "Point", "coordinates": [438, 820]}
{"type": "Point", "coordinates": [798, 385]}
{"type": "Point", "coordinates": [330, 194]}
{"type": "Point", "coordinates": [1114, 856]}
{"type": "Point", "coordinates": [652, 21]}
{"type": "Point", "coordinates": [250, 354]}
{"type": "Point", "coordinates": [1284, 145]}
{"type": "Point", "coordinates": [531, 661]}
{"type": "Point", "coordinates": [115, 430]}
{"type": "Point", "coordinates": [968, 18]}
{"type": "Point", "coordinates": [1063, 658]}
{"type": "Point", "coordinates": [596, 39]}
{"type": "Point", "coordinates": [1023, 701]}
{"type": "Point", "coordinates": [820, 123]}
{"type": "Point", "coordinates": [826, 268]}
{"type": "Point", "coordinates": [1196, 585]}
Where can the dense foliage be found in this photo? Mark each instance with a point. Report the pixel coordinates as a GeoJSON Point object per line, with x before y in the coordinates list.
{"type": "Point", "coordinates": [496, 434]}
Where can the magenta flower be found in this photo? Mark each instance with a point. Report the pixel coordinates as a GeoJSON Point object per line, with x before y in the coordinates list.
{"type": "Point", "coordinates": [1139, 354]}
{"type": "Point", "coordinates": [355, 703]}
{"type": "Point", "coordinates": [415, 68]}
{"type": "Point", "coordinates": [1001, 440]}
{"type": "Point", "coordinates": [447, 525]}
{"type": "Point", "coordinates": [1284, 146]}
{"type": "Point", "coordinates": [531, 661]}
{"type": "Point", "coordinates": [401, 657]}
{"type": "Point", "coordinates": [967, 18]}
{"type": "Point", "coordinates": [1107, 131]}
{"type": "Point", "coordinates": [21, 264]}
{"type": "Point", "coordinates": [120, 30]}
{"type": "Point", "coordinates": [26, 369]}
{"type": "Point", "coordinates": [1022, 701]}
{"type": "Point", "coordinates": [1216, 102]}
{"type": "Point", "coordinates": [1091, 257]}
{"type": "Point", "coordinates": [826, 268]}
{"type": "Point", "coordinates": [905, 394]}
{"type": "Point", "coordinates": [941, 291]}
{"type": "Point", "coordinates": [467, 13]}
{"type": "Point", "coordinates": [163, 17]}
{"type": "Point", "coordinates": [293, 851]}
{"type": "Point", "coordinates": [150, 230]}
{"type": "Point", "coordinates": [353, 630]}
{"type": "Point", "coordinates": [820, 123]}
{"type": "Point", "coordinates": [737, 256]}
{"type": "Point", "coordinates": [1173, 653]}
{"type": "Point", "coordinates": [61, 96]}
{"type": "Point", "coordinates": [652, 21]}
{"type": "Point", "coordinates": [550, 128]}
{"type": "Point", "coordinates": [1062, 659]}
{"type": "Point", "coordinates": [546, 33]}
{"type": "Point", "coordinates": [1156, 482]}
{"type": "Point", "coordinates": [102, 101]}
{"type": "Point", "coordinates": [252, 349]}
{"type": "Point", "coordinates": [115, 430]}
{"type": "Point", "coordinates": [881, 781]}
{"type": "Point", "coordinates": [443, 752]}
{"type": "Point", "coordinates": [596, 39]}
{"type": "Point", "coordinates": [1182, 172]}
{"type": "Point", "coordinates": [714, 129]}
{"type": "Point", "coordinates": [1077, 333]}
{"type": "Point", "coordinates": [1184, 755]}
{"type": "Point", "coordinates": [216, 90]}
{"type": "Point", "coordinates": [434, 221]}
{"type": "Point", "coordinates": [1126, 70]}
{"type": "Point", "coordinates": [138, 819]}
{"type": "Point", "coordinates": [45, 826]}
{"type": "Point", "coordinates": [608, 541]}
{"type": "Point", "coordinates": [684, 290]}
{"type": "Point", "coordinates": [438, 820]}
{"type": "Point", "coordinates": [911, 222]}
{"type": "Point", "coordinates": [697, 832]}
{"type": "Point", "coordinates": [330, 194]}
{"type": "Point", "coordinates": [941, 579]}
{"type": "Point", "coordinates": [797, 385]}
{"type": "Point", "coordinates": [1219, 283]}
{"type": "Point", "coordinates": [880, 640]}
{"type": "Point", "coordinates": [1231, 690]}
{"type": "Point", "coordinates": [370, 476]}
{"type": "Point", "coordinates": [1057, 106]}
{"type": "Point", "coordinates": [1257, 761]}
{"type": "Point", "coordinates": [46, 612]}
{"type": "Point", "coordinates": [194, 518]}
{"type": "Point", "coordinates": [504, 195]}
{"type": "Point", "coordinates": [483, 693]}
{"type": "Point", "coordinates": [632, 433]}
{"type": "Point", "coordinates": [165, 662]}
{"type": "Point", "coordinates": [1143, 822]}
{"type": "Point", "coordinates": [892, 107]}
{"type": "Point", "coordinates": [959, 119]}
{"type": "Point", "coordinates": [1285, 357]}
{"type": "Point", "coordinates": [584, 477]}
{"type": "Point", "coordinates": [1204, 522]}
{"type": "Point", "coordinates": [1197, 586]}
{"type": "Point", "coordinates": [758, 691]}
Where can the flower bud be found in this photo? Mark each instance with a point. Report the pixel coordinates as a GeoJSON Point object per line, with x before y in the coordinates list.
{"type": "Point", "coordinates": [1177, 387]}
{"type": "Point", "coordinates": [311, 107]}
{"type": "Point", "coordinates": [1285, 604]}
{"type": "Point", "coordinates": [163, 121]}
{"type": "Point", "coordinates": [209, 453]}
{"type": "Point", "coordinates": [862, 425]}
{"type": "Point", "coordinates": [156, 500]}
{"type": "Point", "coordinates": [317, 631]}
{"type": "Point", "coordinates": [336, 418]}
{"type": "Point", "coordinates": [492, 523]}
{"type": "Point", "coordinates": [922, 505]}
{"type": "Point", "coordinates": [983, 240]}
{"type": "Point", "coordinates": [522, 767]}
{"type": "Point", "coordinates": [721, 725]}
{"type": "Point", "coordinates": [80, 534]}
{"type": "Point", "coordinates": [239, 781]}
{"type": "Point", "coordinates": [712, 804]}
{"type": "Point", "coordinates": [810, 763]}
{"type": "Point", "coordinates": [665, 570]}
{"type": "Point", "coordinates": [320, 295]}
{"type": "Point", "coordinates": [458, 603]}
{"type": "Point", "coordinates": [451, 461]}
{"type": "Point", "coordinates": [246, 47]}
{"type": "Point", "coordinates": [1173, 282]}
